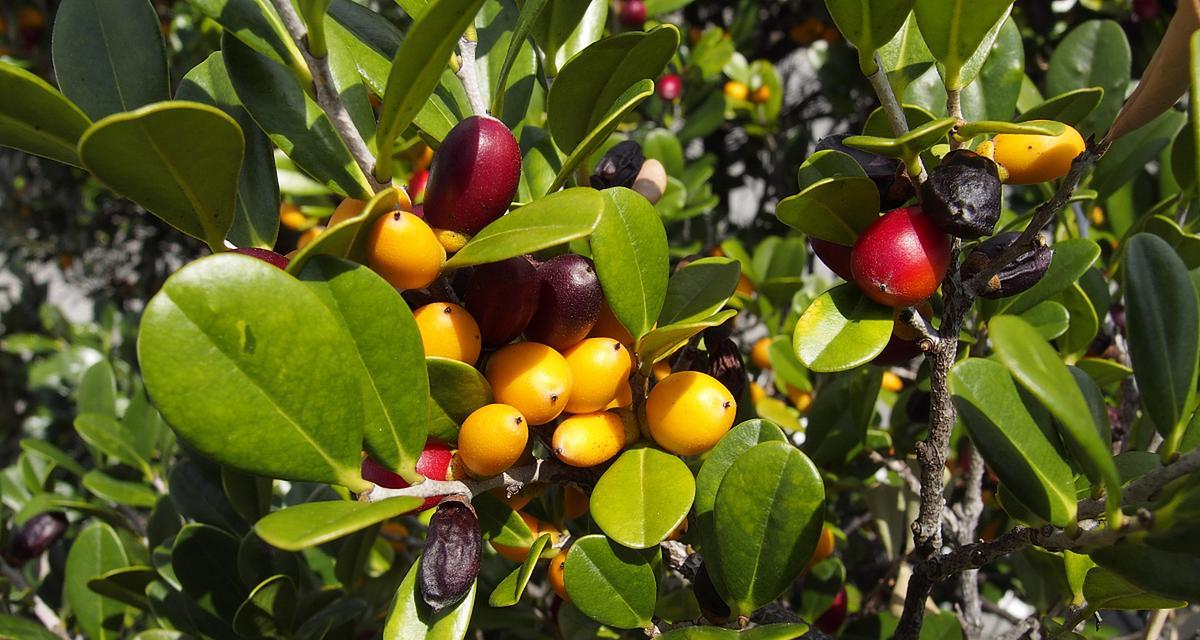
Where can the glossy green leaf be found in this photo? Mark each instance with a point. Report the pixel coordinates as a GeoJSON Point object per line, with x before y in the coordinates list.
{"type": "Point", "coordinates": [97, 391]}
{"type": "Point", "coordinates": [608, 122]}
{"type": "Point", "coordinates": [905, 57]}
{"type": "Point", "coordinates": [133, 494]}
{"type": "Point", "coordinates": [530, 10]}
{"type": "Point", "coordinates": [204, 560]}
{"type": "Point", "coordinates": [418, 66]}
{"type": "Point", "coordinates": [593, 81]}
{"type": "Point", "coordinates": [613, 585]}
{"type": "Point", "coordinates": [1072, 258]}
{"type": "Point", "coordinates": [112, 439]}
{"type": "Point", "coordinates": [955, 30]}
{"type": "Point", "coordinates": [837, 200]}
{"type": "Point", "coordinates": [455, 390]}
{"type": "Point", "coordinates": [999, 71]}
{"type": "Point", "coordinates": [411, 619]}
{"type": "Point", "coordinates": [1070, 107]}
{"type": "Point", "coordinates": [1093, 54]}
{"type": "Point", "coordinates": [868, 25]}
{"type": "Point", "coordinates": [1104, 372]}
{"type": "Point", "coordinates": [292, 119]}
{"type": "Point", "coordinates": [699, 290]}
{"type": "Point", "coordinates": [547, 222]}
{"type": "Point", "coordinates": [1039, 371]}
{"type": "Point", "coordinates": [566, 27]}
{"type": "Point", "coordinates": [179, 160]}
{"type": "Point", "coordinates": [96, 550]}
{"type": "Point", "coordinates": [499, 523]}
{"type": "Point", "coordinates": [127, 585]}
{"type": "Point", "coordinates": [512, 587]}
{"type": "Point", "coordinates": [1031, 127]}
{"type": "Point", "coordinates": [313, 523]}
{"type": "Point", "coordinates": [264, 343]}
{"type": "Point", "coordinates": [767, 517]}
{"type": "Point", "coordinates": [629, 247]}
{"type": "Point", "coordinates": [1049, 318]}
{"type": "Point", "coordinates": [258, 26]}
{"type": "Point", "coordinates": [1135, 149]}
{"type": "Point", "coordinates": [1163, 329]}
{"type": "Point", "coordinates": [1016, 449]}
{"type": "Point", "coordinates": [1083, 322]}
{"type": "Point", "coordinates": [1165, 573]}
{"type": "Point", "coordinates": [395, 397]}
{"type": "Point", "coordinates": [629, 503]}
{"type": "Point", "coordinates": [1104, 589]}
{"type": "Point", "coordinates": [665, 340]}
{"type": "Point", "coordinates": [256, 219]}
{"type": "Point", "coordinates": [42, 121]}
{"type": "Point", "coordinates": [109, 56]}
{"type": "Point", "coordinates": [268, 610]}
{"type": "Point", "coordinates": [841, 329]}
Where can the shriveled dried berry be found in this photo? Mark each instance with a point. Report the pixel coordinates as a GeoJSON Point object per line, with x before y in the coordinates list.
{"type": "Point", "coordinates": [34, 537]}
{"type": "Point", "coordinates": [962, 195]}
{"type": "Point", "coordinates": [895, 188]}
{"type": "Point", "coordinates": [450, 563]}
{"type": "Point", "coordinates": [715, 609]}
{"type": "Point", "coordinates": [1017, 276]}
{"type": "Point", "coordinates": [619, 167]}
{"type": "Point", "coordinates": [725, 364]}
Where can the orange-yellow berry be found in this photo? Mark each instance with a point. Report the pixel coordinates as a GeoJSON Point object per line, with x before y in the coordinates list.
{"type": "Point", "coordinates": [448, 331]}
{"type": "Point", "coordinates": [403, 250]}
{"type": "Point", "coordinates": [760, 353]}
{"type": "Point", "coordinates": [588, 439]}
{"type": "Point", "coordinates": [1030, 159]}
{"type": "Point", "coordinates": [598, 367]}
{"type": "Point", "coordinates": [825, 547]}
{"type": "Point", "coordinates": [736, 90]}
{"type": "Point", "coordinates": [557, 576]}
{"type": "Point", "coordinates": [492, 439]}
{"type": "Point", "coordinates": [531, 377]}
{"type": "Point", "coordinates": [607, 326]}
{"type": "Point", "coordinates": [575, 503]}
{"type": "Point", "coordinates": [537, 528]}
{"type": "Point", "coordinates": [802, 400]}
{"type": "Point", "coordinates": [661, 370]}
{"type": "Point", "coordinates": [688, 412]}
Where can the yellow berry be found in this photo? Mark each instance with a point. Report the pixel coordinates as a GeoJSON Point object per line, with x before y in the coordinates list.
{"type": "Point", "coordinates": [531, 377]}
{"type": "Point", "coordinates": [348, 208]}
{"type": "Point", "coordinates": [1030, 159]}
{"type": "Point", "coordinates": [892, 382]}
{"type": "Point", "coordinates": [403, 250]}
{"type": "Point", "coordinates": [661, 370]}
{"type": "Point", "coordinates": [588, 439]}
{"type": "Point", "coordinates": [448, 331]}
{"type": "Point", "coordinates": [309, 236]}
{"type": "Point", "coordinates": [624, 397]}
{"type": "Point", "coordinates": [557, 576]}
{"type": "Point", "coordinates": [825, 546]}
{"type": "Point", "coordinates": [492, 439]}
{"type": "Point", "coordinates": [761, 94]}
{"type": "Point", "coordinates": [745, 287]}
{"type": "Point", "coordinates": [736, 90]}
{"type": "Point", "coordinates": [760, 353]}
{"type": "Point", "coordinates": [607, 326]}
{"type": "Point", "coordinates": [802, 400]}
{"type": "Point", "coordinates": [757, 393]}
{"type": "Point", "coordinates": [688, 412]}
{"type": "Point", "coordinates": [598, 367]}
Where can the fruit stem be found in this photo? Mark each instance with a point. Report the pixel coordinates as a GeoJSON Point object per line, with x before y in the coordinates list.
{"type": "Point", "coordinates": [954, 110]}
{"type": "Point", "coordinates": [468, 73]}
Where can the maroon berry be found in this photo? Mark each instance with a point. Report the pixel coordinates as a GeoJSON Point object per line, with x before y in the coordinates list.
{"type": "Point", "coordinates": [569, 301]}
{"type": "Point", "coordinates": [502, 297]}
{"type": "Point", "coordinates": [632, 13]}
{"type": "Point", "coordinates": [835, 256]}
{"type": "Point", "coordinates": [473, 177]}
{"type": "Point", "coordinates": [266, 255]}
{"type": "Point", "coordinates": [669, 87]}
{"type": "Point", "coordinates": [834, 616]}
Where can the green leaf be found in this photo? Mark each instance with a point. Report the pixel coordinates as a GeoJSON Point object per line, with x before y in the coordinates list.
{"type": "Point", "coordinates": [248, 494]}
{"type": "Point", "coordinates": [517, 41]}
{"type": "Point", "coordinates": [837, 200]}
{"type": "Point", "coordinates": [268, 610]}
{"type": "Point", "coordinates": [197, 493]}
{"type": "Point", "coordinates": [455, 390]}
{"type": "Point", "coordinates": [17, 627]}
{"type": "Point", "coordinates": [179, 160]}
{"type": "Point", "coordinates": [412, 619]}
{"type": "Point", "coordinates": [258, 26]}
{"type": "Point", "coordinates": [112, 439]}
{"type": "Point", "coordinates": [388, 346]}
{"type": "Point", "coordinates": [612, 584]}
{"type": "Point", "coordinates": [313, 523]}
{"type": "Point", "coordinates": [348, 238]}
{"type": "Point", "coordinates": [204, 559]}
{"type": "Point", "coordinates": [1143, 145]}
{"type": "Point", "coordinates": [566, 27]}
{"type": "Point", "coordinates": [778, 631]}
{"type": "Point", "coordinates": [629, 503]}
{"type": "Point", "coordinates": [1049, 318]}
{"type": "Point", "coordinates": [767, 517]}
{"type": "Point", "coordinates": [1072, 258]}
{"type": "Point", "coordinates": [665, 340]}
{"type": "Point", "coordinates": [787, 367]}
{"type": "Point", "coordinates": [547, 222]}
{"type": "Point", "coordinates": [611, 119]}
{"type": "Point", "coordinates": [629, 247]}
{"type": "Point", "coordinates": [664, 146]}
{"type": "Point", "coordinates": [1032, 128]}
{"type": "Point", "coordinates": [1104, 372]}
{"type": "Point", "coordinates": [279, 362]}
{"type": "Point", "coordinates": [97, 392]}
{"type": "Point", "coordinates": [841, 329]}
{"type": "Point", "coordinates": [313, 13]}
{"type": "Point", "coordinates": [499, 523]}
{"type": "Point", "coordinates": [134, 494]}
{"type": "Point", "coordinates": [954, 30]}
{"type": "Point", "coordinates": [595, 79]}
{"type": "Point", "coordinates": [417, 69]}
{"type": "Point", "coordinates": [1070, 107]}
{"type": "Point", "coordinates": [1164, 573]}
{"type": "Point", "coordinates": [39, 120]}
{"type": "Point", "coordinates": [1093, 54]}
{"type": "Point", "coordinates": [256, 219]}
{"type": "Point", "coordinates": [292, 119]}
{"type": "Point", "coordinates": [127, 585]}
{"type": "Point", "coordinates": [868, 25]}
{"type": "Point", "coordinates": [1083, 321]}
{"type": "Point", "coordinates": [512, 587]}
{"type": "Point", "coordinates": [1163, 328]}
{"type": "Point", "coordinates": [96, 551]}
{"type": "Point", "coordinates": [109, 56]}
{"type": "Point", "coordinates": [1014, 446]}
{"type": "Point", "coordinates": [53, 454]}
{"type": "Point", "coordinates": [1038, 369]}
{"type": "Point", "coordinates": [907, 147]}
{"type": "Point", "coordinates": [1104, 589]}
{"type": "Point", "coordinates": [699, 290]}
{"type": "Point", "coordinates": [905, 57]}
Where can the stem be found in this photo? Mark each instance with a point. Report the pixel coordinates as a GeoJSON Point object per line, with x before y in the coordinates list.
{"type": "Point", "coordinates": [893, 110]}
{"type": "Point", "coordinates": [972, 509]}
{"type": "Point", "coordinates": [954, 109]}
{"type": "Point", "coordinates": [467, 72]}
{"type": "Point", "coordinates": [1075, 615]}
{"type": "Point", "coordinates": [512, 480]}
{"type": "Point", "coordinates": [327, 96]}
{"type": "Point", "coordinates": [41, 610]}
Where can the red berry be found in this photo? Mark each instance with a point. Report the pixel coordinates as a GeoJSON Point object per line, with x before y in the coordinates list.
{"type": "Point", "coordinates": [632, 13]}
{"type": "Point", "coordinates": [669, 87]}
{"type": "Point", "coordinates": [835, 256]}
{"type": "Point", "coordinates": [416, 185]}
{"type": "Point", "coordinates": [433, 464]}
{"type": "Point", "coordinates": [473, 177]}
{"type": "Point", "coordinates": [901, 258]}
{"type": "Point", "coordinates": [834, 616]}
{"type": "Point", "coordinates": [266, 255]}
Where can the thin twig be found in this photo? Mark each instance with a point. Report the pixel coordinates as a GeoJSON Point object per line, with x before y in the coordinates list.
{"type": "Point", "coordinates": [1075, 615]}
{"type": "Point", "coordinates": [968, 520]}
{"type": "Point", "coordinates": [468, 73]}
{"type": "Point", "coordinates": [512, 480]}
{"type": "Point", "coordinates": [327, 96]}
{"type": "Point", "coordinates": [892, 108]}
{"type": "Point", "coordinates": [42, 611]}
{"type": "Point", "coordinates": [899, 468]}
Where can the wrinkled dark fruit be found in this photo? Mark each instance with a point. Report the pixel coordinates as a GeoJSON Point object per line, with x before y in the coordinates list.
{"type": "Point", "coordinates": [473, 177]}
{"type": "Point", "coordinates": [34, 537]}
{"type": "Point", "coordinates": [962, 195]}
{"type": "Point", "coordinates": [619, 167]}
{"type": "Point", "coordinates": [266, 255]}
{"type": "Point", "coordinates": [725, 364]}
{"type": "Point", "coordinates": [502, 297]}
{"type": "Point", "coordinates": [450, 562]}
{"type": "Point", "coordinates": [835, 256]}
{"type": "Point", "coordinates": [569, 301]}
{"type": "Point", "coordinates": [711, 605]}
{"type": "Point", "coordinates": [894, 186]}
{"type": "Point", "coordinates": [1019, 275]}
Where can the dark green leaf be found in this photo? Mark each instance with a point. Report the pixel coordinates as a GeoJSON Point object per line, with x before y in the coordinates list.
{"type": "Point", "coordinates": [869, 25]}
{"type": "Point", "coordinates": [1164, 573]}
{"type": "Point", "coordinates": [699, 290]}
{"type": "Point", "coordinates": [1104, 589]}
{"type": "Point", "coordinates": [612, 584]}
{"type": "Point", "coordinates": [955, 30]}
{"type": "Point", "coordinates": [112, 439]}
{"type": "Point", "coordinates": [268, 610]}
{"type": "Point", "coordinates": [565, 27]}
{"type": "Point", "coordinates": [629, 247]}
{"type": "Point", "coordinates": [204, 559]}
{"type": "Point", "coordinates": [39, 119]}
{"type": "Point", "coordinates": [1070, 107]}
{"type": "Point", "coordinates": [1094, 54]}
{"type": "Point", "coordinates": [127, 585]}
{"type": "Point", "coordinates": [133, 494]}
{"type": "Point", "coordinates": [608, 123]}
{"type": "Point", "coordinates": [629, 503]}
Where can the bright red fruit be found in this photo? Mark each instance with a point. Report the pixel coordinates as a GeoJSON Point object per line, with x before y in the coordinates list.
{"type": "Point", "coordinates": [901, 258]}
{"type": "Point", "coordinates": [632, 13]}
{"type": "Point", "coordinates": [473, 177]}
{"type": "Point", "coordinates": [834, 616]}
{"type": "Point", "coordinates": [416, 186]}
{"type": "Point", "coordinates": [669, 87]}
{"type": "Point", "coordinates": [835, 256]}
{"type": "Point", "coordinates": [266, 255]}
{"type": "Point", "coordinates": [433, 464]}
